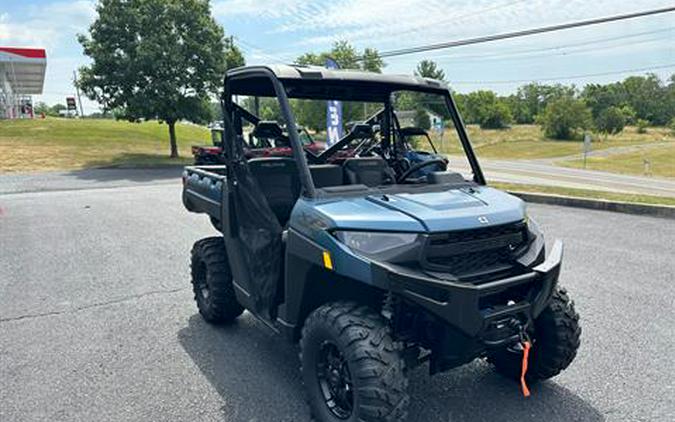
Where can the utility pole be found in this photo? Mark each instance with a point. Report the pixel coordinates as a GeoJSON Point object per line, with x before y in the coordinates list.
{"type": "Point", "coordinates": [77, 91]}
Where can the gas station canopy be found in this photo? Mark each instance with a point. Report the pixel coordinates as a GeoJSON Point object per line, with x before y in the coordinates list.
{"type": "Point", "coordinates": [22, 74]}
{"type": "Point", "coordinates": [23, 69]}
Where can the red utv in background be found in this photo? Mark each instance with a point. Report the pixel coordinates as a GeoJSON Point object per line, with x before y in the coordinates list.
{"type": "Point", "coordinates": [267, 139]}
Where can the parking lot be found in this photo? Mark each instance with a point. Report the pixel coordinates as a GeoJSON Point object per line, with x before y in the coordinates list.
{"type": "Point", "coordinates": [97, 320]}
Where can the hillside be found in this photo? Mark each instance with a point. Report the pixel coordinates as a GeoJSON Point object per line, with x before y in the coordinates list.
{"type": "Point", "coordinates": [53, 143]}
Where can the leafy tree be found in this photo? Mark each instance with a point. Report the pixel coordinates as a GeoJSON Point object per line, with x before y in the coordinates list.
{"type": "Point", "coordinates": [648, 97]}
{"type": "Point", "coordinates": [629, 114]}
{"type": "Point", "coordinates": [42, 108]}
{"type": "Point", "coordinates": [429, 69]}
{"type": "Point", "coordinates": [347, 57]}
{"type": "Point", "coordinates": [642, 125]}
{"type": "Point", "coordinates": [563, 117]}
{"type": "Point", "coordinates": [56, 110]}
{"type": "Point", "coordinates": [156, 59]}
{"type": "Point", "coordinates": [610, 120]}
{"type": "Point", "coordinates": [600, 97]}
{"type": "Point", "coordinates": [422, 119]}
{"type": "Point", "coordinates": [372, 62]}
{"type": "Point", "coordinates": [535, 97]}
{"type": "Point", "coordinates": [496, 115]}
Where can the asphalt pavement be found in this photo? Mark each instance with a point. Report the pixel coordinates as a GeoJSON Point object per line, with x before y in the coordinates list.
{"type": "Point", "coordinates": [97, 320]}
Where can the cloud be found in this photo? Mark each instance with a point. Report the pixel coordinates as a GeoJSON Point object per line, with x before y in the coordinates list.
{"type": "Point", "coordinates": [47, 26]}
{"type": "Point", "coordinates": [269, 9]}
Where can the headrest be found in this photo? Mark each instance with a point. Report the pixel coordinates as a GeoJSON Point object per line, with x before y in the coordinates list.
{"type": "Point", "coordinates": [267, 129]}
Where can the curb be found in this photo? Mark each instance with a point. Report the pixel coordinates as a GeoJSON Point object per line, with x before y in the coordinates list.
{"type": "Point", "coordinates": [663, 211]}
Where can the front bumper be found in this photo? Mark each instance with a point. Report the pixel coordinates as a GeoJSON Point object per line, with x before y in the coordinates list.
{"type": "Point", "coordinates": [468, 307]}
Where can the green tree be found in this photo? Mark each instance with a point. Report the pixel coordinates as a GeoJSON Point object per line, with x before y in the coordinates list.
{"type": "Point", "coordinates": [600, 97]}
{"type": "Point", "coordinates": [42, 108]}
{"type": "Point", "coordinates": [56, 110]}
{"type": "Point", "coordinates": [642, 125]}
{"type": "Point", "coordinates": [563, 117]}
{"type": "Point", "coordinates": [496, 115]}
{"type": "Point", "coordinates": [156, 59]}
{"type": "Point", "coordinates": [629, 114]}
{"type": "Point", "coordinates": [648, 97]}
{"type": "Point", "coordinates": [429, 69]}
{"type": "Point", "coordinates": [610, 120]}
{"type": "Point", "coordinates": [347, 57]}
{"type": "Point", "coordinates": [422, 119]}
{"type": "Point", "coordinates": [534, 98]}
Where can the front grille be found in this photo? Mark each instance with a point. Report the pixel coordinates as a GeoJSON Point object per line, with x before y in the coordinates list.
{"type": "Point", "coordinates": [477, 254]}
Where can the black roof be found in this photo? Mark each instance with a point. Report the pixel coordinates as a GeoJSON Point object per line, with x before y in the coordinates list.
{"type": "Point", "coordinates": [321, 83]}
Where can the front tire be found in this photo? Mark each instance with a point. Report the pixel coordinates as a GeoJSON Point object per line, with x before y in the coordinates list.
{"type": "Point", "coordinates": [351, 366]}
{"type": "Point", "coordinates": [212, 282]}
{"type": "Point", "coordinates": [556, 340]}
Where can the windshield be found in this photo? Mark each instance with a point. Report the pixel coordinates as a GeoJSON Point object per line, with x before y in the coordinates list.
{"type": "Point", "coordinates": [374, 136]}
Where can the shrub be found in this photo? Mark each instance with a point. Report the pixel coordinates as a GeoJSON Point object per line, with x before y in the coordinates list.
{"type": "Point", "coordinates": [610, 120]}
{"type": "Point", "coordinates": [563, 117]}
{"type": "Point", "coordinates": [495, 116]}
{"type": "Point", "coordinates": [671, 125]}
{"type": "Point", "coordinates": [642, 125]}
{"type": "Point", "coordinates": [629, 114]}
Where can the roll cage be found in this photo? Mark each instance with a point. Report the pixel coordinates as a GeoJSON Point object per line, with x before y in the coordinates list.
{"type": "Point", "coordinates": [307, 82]}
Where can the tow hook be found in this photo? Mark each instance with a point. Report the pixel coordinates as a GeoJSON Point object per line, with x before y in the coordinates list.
{"type": "Point", "coordinates": [526, 345]}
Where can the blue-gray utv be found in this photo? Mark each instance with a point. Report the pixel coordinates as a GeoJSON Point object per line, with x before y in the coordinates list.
{"type": "Point", "coordinates": [374, 264]}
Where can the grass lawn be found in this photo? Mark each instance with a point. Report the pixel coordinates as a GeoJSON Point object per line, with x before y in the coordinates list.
{"type": "Point", "coordinates": [60, 144]}
{"type": "Point", "coordinates": [528, 142]}
{"type": "Point", "coordinates": [587, 193]}
{"type": "Point", "coordinates": [661, 162]}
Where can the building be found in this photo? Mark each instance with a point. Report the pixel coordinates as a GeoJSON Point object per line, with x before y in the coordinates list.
{"type": "Point", "coordinates": [22, 74]}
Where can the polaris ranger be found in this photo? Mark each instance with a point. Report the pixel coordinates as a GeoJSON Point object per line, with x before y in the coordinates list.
{"type": "Point", "coordinates": [374, 266]}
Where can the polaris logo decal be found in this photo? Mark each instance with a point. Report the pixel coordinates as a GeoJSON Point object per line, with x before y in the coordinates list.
{"type": "Point", "coordinates": [483, 219]}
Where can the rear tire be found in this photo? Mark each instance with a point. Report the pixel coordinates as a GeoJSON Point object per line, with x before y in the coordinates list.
{"type": "Point", "coordinates": [212, 282]}
{"type": "Point", "coordinates": [216, 224]}
{"type": "Point", "coordinates": [351, 366]}
{"type": "Point", "coordinates": [556, 340]}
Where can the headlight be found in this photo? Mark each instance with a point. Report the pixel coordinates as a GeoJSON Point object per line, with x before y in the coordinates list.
{"type": "Point", "coordinates": [375, 242]}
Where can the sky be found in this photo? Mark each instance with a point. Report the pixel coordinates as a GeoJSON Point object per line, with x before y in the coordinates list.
{"type": "Point", "coordinates": [278, 31]}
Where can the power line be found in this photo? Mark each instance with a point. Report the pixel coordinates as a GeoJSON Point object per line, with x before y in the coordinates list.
{"type": "Point", "coordinates": [527, 32]}
{"type": "Point", "coordinates": [563, 46]}
{"type": "Point", "coordinates": [550, 52]}
{"type": "Point", "coordinates": [458, 18]}
{"type": "Point", "coordinates": [560, 78]}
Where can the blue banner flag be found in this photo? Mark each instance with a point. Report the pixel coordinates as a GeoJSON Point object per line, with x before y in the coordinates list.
{"type": "Point", "coordinates": [333, 113]}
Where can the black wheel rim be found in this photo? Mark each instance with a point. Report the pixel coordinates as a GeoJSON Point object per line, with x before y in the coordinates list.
{"type": "Point", "coordinates": [202, 287]}
{"type": "Point", "coordinates": [335, 381]}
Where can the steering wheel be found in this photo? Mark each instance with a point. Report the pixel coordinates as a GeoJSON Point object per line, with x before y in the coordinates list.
{"type": "Point", "coordinates": [416, 167]}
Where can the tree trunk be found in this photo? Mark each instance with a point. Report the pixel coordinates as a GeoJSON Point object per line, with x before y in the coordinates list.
{"type": "Point", "coordinates": [172, 139]}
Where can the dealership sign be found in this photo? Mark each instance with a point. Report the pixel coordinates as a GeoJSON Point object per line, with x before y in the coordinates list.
{"type": "Point", "coordinates": [333, 113]}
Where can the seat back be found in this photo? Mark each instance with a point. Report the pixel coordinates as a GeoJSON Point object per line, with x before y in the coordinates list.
{"type": "Point", "coordinates": [326, 175]}
{"type": "Point", "coordinates": [369, 171]}
{"type": "Point", "coordinates": [280, 183]}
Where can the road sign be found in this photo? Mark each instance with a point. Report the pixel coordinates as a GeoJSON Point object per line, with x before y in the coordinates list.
{"type": "Point", "coordinates": [70, 103]}
{"type": "Point", "coordinates": [587, 146]}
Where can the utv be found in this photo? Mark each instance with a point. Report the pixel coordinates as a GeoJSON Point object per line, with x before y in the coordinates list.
{"type": "Point", "coordinates": [267, 139]}
{"type": "Point", "coordinates": [373, 266]}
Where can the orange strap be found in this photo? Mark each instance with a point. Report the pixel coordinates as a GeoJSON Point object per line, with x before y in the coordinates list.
{"type": "Point", "coordinates": [523, 371]}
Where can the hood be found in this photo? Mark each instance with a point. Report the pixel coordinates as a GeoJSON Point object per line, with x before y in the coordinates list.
{"type": "Point", "coordinates": [455, 209]}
